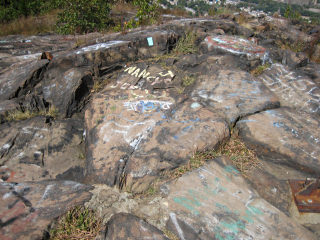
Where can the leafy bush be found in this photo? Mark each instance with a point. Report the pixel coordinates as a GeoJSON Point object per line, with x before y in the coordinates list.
{"type": "Point", "coordinates": [292, 14]}
{"type": "Point", "coordinates": [80, 16]}
{"type": "Point", "coordinates": [13, 9]}
{"type": "Point", "coordinates": [147, 11]}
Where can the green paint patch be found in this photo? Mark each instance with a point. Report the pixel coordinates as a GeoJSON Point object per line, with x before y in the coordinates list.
{"type": "Point", "coordinates": [188, 204]}
{"type": "Point", "coordinates": [232, 170]}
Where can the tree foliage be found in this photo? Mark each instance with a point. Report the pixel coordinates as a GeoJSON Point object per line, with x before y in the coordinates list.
{"type": "Point", "coordinates": [80, 16]}
{"type": "Point", "coordinates": [147, 10]}
{"type": "Point", "coordinates": [12, 9]}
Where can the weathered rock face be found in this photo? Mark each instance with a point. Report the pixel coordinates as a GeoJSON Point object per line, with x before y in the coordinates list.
{"type": "Point", "coordinates": [20, 79]}
{"type": "Point", "coordinates": [294, 60]}
{"type": "Point", "coordinates": [233, 94]}
{"type": "Point", "coordinates": [214, 202]}
{"type": "Point", "coordinates": [35, 150]}
{"type": "Point", "coordinates": [69, 78]}
{"type": "Point", "coordinates": [234, 45]}
{"type": "Point", "coordinates": [149, 120]}
{"type": "Point", "coordinates": [6, 107]}
{"type": "Point", "coordinates": [28, 208]}
{"type": "Point", "coordinates": [124, 226]}
{"type": "Point", "coordinates": [133, 135]}
{"type": "Point", "coordinates": [293, 90]}
{"type": "Point", "coordinates": [286, 138]}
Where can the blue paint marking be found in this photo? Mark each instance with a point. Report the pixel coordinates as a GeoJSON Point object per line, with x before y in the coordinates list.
{"type": "Point", "coordinates": [150, 41]}
{"type": "Point", "coordinates": [186, 128]}
{"type": "Point", "coordinates": [175, 137]}
{"type": "Point", "coordinates": [195, 120]}
{"type": "Point", "coordinates": [278, 124]}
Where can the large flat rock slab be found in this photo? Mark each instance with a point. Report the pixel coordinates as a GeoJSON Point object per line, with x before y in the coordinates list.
{"type": "Point", "coordinates": [234, 45]}
{"type": "Point", "coordinates": [215, 202]}
{"type": "Point", "coordinates": [35, 150]}
{"type": "Point", "coordinates": [69, 77]}
{"type": "Point", "coordinates": [294, 90]}
{"type": "Point", "coordinates": [284, 137]}
{"type": "Point", "coordinates": [135, 134]}
{"type": "Point", "coordinates": [124, 226]}
{"type": "Point", "coordinates": [233, 94]}
{"type": "Point", "coordinates": [27, 209]}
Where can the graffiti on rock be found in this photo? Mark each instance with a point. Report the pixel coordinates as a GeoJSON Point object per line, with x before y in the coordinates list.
{"type": "Point", "coordinates": [225, 222]}
{"type": "Point", "coordinates": [165, 77]}
{"type": "Point", "coordinates": [100, 46]}
{"type": "Point", "coordinates": [294, 90]}
{"type": "Point", "coordinates": [235, 45]}
{"type": "Point", "coordinates": [147, 105]}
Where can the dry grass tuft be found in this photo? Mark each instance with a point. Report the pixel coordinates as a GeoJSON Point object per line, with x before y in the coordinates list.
{"type": "Point", "coordinates": [19, 115]}
{"type": "Point", "coordinates": [77, 223]}
{"type": "Point", "coordinates": [30, 25]}
{"type": "Point", "coordinates": [175, 12]}
{"type": "Point", "coordinates": [260, 69]}
{"type": "Point", "coordinates": [186, 44]}
{"type": "Point", "coordinates": [242, 158]}
{"type": "Point", "coordinates": [121, 7]}
{"type": "Point", "coordinates": [170, 234]}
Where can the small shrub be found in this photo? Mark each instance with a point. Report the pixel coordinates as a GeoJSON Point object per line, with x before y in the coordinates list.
{"type": "Point", "coordinates": [292, 14]}
{"type": "Point", "coordinates": [77, 223]}
{"type": "Point", "coordinates": [147, 11]}
{"type": "Point", "coordinates": [260, 69]}
{"type": "Point", "coordinates": [81, 16]}
{"type": "Point", "coordinates": [188, 80]}
{"type": "Point", "coordinates": [186, 44]}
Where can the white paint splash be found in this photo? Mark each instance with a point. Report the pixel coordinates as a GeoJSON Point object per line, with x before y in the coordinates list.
{"type": "Point", "coordinates": [100, 46]}
{"type": "Point", "coordinates": [176, 224]}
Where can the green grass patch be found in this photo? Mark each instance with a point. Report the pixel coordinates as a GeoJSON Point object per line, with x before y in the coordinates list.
{"type": "Point", "coordinates": [77, 223]}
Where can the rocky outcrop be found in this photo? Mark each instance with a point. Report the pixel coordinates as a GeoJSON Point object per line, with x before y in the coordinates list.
{"type": "Point", "coordinates": [33, 150]}
{"type": "Point", "coordinates": [28, 208]}
{"type": "Point", "coordinates": [134, 135]}
{"type": "Point", "coordinates": [215, 201]}
{"type": "Point", "coordinates": [294, 90]}
{"type": "Point", "coordinates": [124, 226]}
{"type": "Point", "coordinates": [287, 138]}
{"type": "Point", "coordinates": [130, 118]}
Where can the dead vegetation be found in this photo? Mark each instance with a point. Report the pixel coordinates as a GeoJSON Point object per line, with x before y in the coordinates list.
{"type": "Point", "coordinates": [19, 115]}
{"type": "Point", "coordinates": [30, 25]}
{"type": "Point", "coordinates": [242, 158]}
{"type": "Point", "coordinates": [260, 69]}
{"type": "Point", "coordinates": [77, 223]}
{"type": "Point", "coordinates": [186, 44]}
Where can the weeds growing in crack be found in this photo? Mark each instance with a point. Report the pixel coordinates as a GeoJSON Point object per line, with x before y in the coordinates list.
{"type": "Point", "coordinates": [19, 115]}
{"type": "Point", "coordinates": [170, 234]}
{"type": "Point", "coordinates": [242, 158]}
{"type": "Point", "coordinates": [186, 44]}
{"type": "Point", "coordinates": [77, 223]}
{"type": "Point", "coordinates": [260, 69]}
